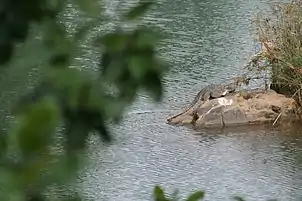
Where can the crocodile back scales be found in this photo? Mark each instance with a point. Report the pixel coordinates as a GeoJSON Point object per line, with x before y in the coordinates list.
{"type": "Point", "coordinates": [203, 96]}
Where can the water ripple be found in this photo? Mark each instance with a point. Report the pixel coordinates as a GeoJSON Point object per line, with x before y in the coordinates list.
{"type": "Point", "coordinates": [208, 41]}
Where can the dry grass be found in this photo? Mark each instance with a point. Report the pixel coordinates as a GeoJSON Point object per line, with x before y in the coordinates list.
{"type": "Point", "coordinates": [280, 34]}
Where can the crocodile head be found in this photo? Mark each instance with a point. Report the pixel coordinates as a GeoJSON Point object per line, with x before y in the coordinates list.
{"type": "Point", "coordinates": [229, 88]}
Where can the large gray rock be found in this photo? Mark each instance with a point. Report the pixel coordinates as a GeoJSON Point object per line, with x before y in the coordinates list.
{"type": "Point", "coordinates": [249, 107]}
{"type": "Point", "coordinates": [234, 116]}
{"type": "Point", "coordinates": [211, 118]}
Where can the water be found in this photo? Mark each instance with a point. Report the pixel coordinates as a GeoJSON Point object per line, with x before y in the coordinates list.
{"type": "Point", "coordinates": [209, 41]}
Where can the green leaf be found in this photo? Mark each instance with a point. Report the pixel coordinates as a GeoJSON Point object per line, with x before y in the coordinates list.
{"type": "Point", "coordinates": [237, 198]}
{"type": "Point", "coordinates": [36, 127]}
{"type": "Point", "coordinates": [138, 10]}
{"type": "Point", "coordinates": [116, 41]}
{"type": "Point", "coordinates": [62, 47]}
{"type": "Point", "coordinates": [76, 133]}
{"type": "Point", "coordinates": [146, 37]}
{"type": "Point", "coordinates": [64, 170]}
{"type": "Point", "coordinates": [114, 106]}
{"type": "Point", "coordinates": [196, 196]}
{"type": "Point", "coordinates": [3, 144]}
{"type": "Point", "coordinates": [55, 34]}
{"type": "Point", "coordinates": [82, 31]}
{"type": "Point", "coordinates": [138, 66]}
{"type": "Point", "coordinates": [67, 83]}
{"type": "Point", "coordinates": [8, 186]}
{"type": "Point", "coordinates": [112, 66]}
{"type": "Point", "coordinates": [153, 84]}
{"type": "Point", "coordinates": [90, 7]}
{"type": "Point", "coordinates": [159, 194]}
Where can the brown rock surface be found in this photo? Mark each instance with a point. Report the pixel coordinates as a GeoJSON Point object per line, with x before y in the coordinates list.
{"type": "Point", "coordinates": [244, 108]}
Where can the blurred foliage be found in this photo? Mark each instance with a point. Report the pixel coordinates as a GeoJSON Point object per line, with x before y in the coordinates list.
{"type": "Point", "coordinates": [68, 101]}
{"type": "Point", "coordinates": [159, 195]}
{"type": "Point", "coordinates": [65, 97]}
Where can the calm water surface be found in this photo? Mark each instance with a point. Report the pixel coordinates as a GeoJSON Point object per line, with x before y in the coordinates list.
{"type": "Point", "coordinates": [209, 41]}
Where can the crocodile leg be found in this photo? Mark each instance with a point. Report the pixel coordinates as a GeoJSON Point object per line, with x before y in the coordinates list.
{"type": "Point", "coordinates": [200, 99]}
{"type": "Point", "coordinates": [197, 98]}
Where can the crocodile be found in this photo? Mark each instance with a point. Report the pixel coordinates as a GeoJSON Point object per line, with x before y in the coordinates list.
{"type": "Point", "coordinates": [209, 92]}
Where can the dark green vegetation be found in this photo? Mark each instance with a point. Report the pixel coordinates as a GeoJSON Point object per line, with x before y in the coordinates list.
{"type": "Point", "coordinates": [43, 150]}
{"type": "Point", "coordinates": [279, 30]}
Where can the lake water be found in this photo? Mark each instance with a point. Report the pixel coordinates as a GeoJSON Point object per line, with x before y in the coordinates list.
{"type": "Point", "coordinates": [208, 41]}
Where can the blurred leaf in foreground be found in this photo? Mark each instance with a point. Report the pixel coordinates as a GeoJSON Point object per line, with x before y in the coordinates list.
{"type": "Point", "coordinates": [35, 128]}
{"type": "Point", "coordinates": [237, 198]}
{"type": "Point", "coordinates": [196, 196]}
{"type": "Point", "coordinates": [139, 9]}
{"type": "Point", "coordinates": [159, 194]}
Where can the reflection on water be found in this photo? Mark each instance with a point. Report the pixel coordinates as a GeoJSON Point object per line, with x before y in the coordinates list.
{"type": "Point", "coordinates": [209, 41]}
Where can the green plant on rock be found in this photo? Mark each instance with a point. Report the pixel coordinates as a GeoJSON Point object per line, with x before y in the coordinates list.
{"type": "Point", "coordinates": [279, 32]}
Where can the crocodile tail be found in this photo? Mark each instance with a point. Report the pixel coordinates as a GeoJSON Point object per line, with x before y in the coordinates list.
{"type": "Point", "coordinates": [197, 98]}
{"type": "Point", "coordinates": [177, 115]}
{"type": "Point", "coordinates": [187, 111]}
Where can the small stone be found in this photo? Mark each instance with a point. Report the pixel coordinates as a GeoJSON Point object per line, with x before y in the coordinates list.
{"type": "Point", "coordinates": [187, 121]}
{"type": "Point", "coordinates": [267, 114]}
{"type": "Point", "coordinates": [270, 115]}
{"type": "Point", "coordinates": [247, 96]}
{"type": "Point", "coordinates": [259, 106]}
{"type": "Point", "coordinates": [276, 109]}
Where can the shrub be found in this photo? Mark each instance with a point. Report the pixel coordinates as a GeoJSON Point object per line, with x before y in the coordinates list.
{"type": "Point", "coordinates": [279, 31]}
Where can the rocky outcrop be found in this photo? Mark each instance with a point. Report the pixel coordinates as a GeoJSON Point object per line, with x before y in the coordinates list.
{"type": "Point", "coordinates": [241, 108]}
{"type": "Point", "coordinates": [211, 91]}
